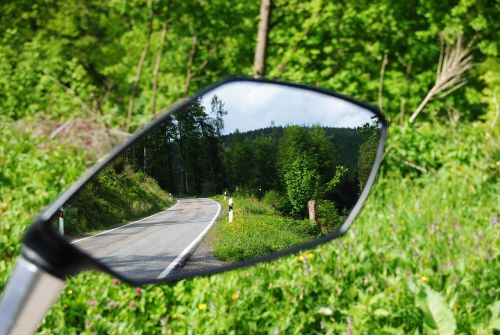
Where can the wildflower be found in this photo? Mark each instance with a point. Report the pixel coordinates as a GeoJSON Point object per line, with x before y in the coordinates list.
{"type": "Point", "coordinates": [300, 258]}
{"type": "Point", "coordinates": [115, 281]}
{"type": "Point", "coordinates": [112, 304]}
{"type": "Point", "coordinates": [163, 321]}
{"type": "Point", "coordinates": [138, 291]}
{"type": "Point", "coordinates": [310, 255]}
{"type": "Point", "coordinates": [92, 303]}
{"type": "Point", "coordinates": [235, 296]}
{"type": "Point", "coordinates": [202, 307]}
{"type": "Point", "coordinates": [132, 304]}
{"type": "Point", "coordinates": [69, 292]}
{"type": "Point", "coordinates": [424, 279]}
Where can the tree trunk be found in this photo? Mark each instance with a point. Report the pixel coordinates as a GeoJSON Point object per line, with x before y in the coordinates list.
{"type": "Point", "coordinates": [260, 51]}
{"type": "Point", "coordinates": [313, 214]}
{"type": "Point", "coordinates": [156, 69]}
{"type": "Point", "coordinates": [138, 71]}
{"type": "Point", "coordinates": [189, 71]}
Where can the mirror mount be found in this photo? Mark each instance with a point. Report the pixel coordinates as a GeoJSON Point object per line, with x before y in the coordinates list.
{"type": "Point", "coordinates": [45, 248]}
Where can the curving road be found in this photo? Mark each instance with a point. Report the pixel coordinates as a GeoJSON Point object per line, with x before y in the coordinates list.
{"type": "Point", "coordinates": [153, 247]}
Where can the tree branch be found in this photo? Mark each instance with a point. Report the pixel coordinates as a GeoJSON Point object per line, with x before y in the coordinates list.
{"type": "Point", "coordinates": [69, 91]}
{"type": "Point", "coordinates": [189, 71]}
{"type": "Point", "coordinates": [381, 82]}
{"type": "Point", "coordinates": [138, 71]}
{"type": "Point", "coordinates": [156, 68]}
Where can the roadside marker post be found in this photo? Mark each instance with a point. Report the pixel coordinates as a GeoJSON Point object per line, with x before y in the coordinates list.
{"type": "Point", "coordinates": [230, 209]}
{"type": "Point", "coordinates": [61, 221]}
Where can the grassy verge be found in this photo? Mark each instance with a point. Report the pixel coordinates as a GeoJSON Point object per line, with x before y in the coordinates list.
{"type": "Point", "coordinates": [256, 231]}
{"type": "Point", "coordinates": [118, 195]}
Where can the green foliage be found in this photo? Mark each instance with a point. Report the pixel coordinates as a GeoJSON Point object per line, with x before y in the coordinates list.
{"type": "Point", "coordinates": [301, 180]}
{"type": "Point", "coordinates": [438, 317]}
{"type": "Point", "coordinates": [367, 153]}
{"type": "Point", "coordinates": [256, 231]}
{"type": "Point", "coordinates": [32, 172]}
{"type": "Point", "coordinates": [340, 173]}
{"type": "Point", "coordinates": [98, 207]}
{"type": "Point", "coordinates": [329, 218]}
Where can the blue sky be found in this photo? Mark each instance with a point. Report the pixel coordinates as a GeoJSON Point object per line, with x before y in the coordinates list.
{"type": "Point", "coordinates": [253, 105]}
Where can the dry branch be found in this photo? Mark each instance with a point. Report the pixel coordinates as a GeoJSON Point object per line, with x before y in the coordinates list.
{"type": "Point", "coordinates": [454, 61]}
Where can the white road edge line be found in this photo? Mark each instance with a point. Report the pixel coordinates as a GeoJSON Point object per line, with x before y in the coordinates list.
{"type": "Point", "coordinates": [128, 224]}
{"type": "Point", "coordinates": [193, 244]}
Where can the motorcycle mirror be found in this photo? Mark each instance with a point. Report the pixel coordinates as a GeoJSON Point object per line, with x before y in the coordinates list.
{"type": "Point", "coordinates": [243, 172]}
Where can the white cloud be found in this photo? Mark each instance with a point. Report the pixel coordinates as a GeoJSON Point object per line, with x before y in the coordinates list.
{"type": "Point", "coordinates": [253, 105]}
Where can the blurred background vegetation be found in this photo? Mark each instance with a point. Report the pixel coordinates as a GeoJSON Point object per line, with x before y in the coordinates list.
{"type": "Point", "coordinates": [76, 77]}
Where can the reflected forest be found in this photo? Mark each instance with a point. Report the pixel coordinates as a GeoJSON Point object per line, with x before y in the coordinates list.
{"type": "Point", "coordinates": [190, 155]}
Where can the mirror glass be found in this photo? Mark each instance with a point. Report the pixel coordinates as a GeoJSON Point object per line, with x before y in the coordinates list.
{"type": "Point", "coordinates": [246, 170]}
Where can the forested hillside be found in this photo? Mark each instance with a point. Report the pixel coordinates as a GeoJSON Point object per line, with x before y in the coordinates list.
{"type": "Point", "coordinates": [422, 258]}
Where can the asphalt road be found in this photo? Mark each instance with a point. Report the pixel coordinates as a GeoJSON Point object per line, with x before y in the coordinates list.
{"type": "Point", "coordinates": [153, 247]}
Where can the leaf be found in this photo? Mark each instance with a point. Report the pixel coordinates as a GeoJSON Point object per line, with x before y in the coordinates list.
{"type": "Point", "coordinates": [495, 311]}
{"type": "Point", "coordinates": [438, 317]}
{"type": "Point", "coordinates": [381, 312]}
{"type": "Point", "coordinates": [325, 311]}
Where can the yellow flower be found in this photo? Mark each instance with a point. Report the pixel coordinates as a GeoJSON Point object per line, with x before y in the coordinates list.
{"type": "Point", "coordinates": [235, 296]}
{"type": "Point", "coordinates": [69, 292]}
{"type": "Point", "coordinates": [202, 307]}
{"type": "Point", "coordinates": [300, 258]}
{"type": "Point", "coordinates": [310, 255]}
{"type": "Point", "coordinates": [424, 279]}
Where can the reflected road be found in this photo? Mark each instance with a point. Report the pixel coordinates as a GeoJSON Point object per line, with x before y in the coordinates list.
{"type": "Point", "coordinates": [151, 248]}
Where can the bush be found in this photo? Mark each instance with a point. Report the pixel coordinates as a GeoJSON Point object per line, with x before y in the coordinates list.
{"type": "Point", "coordinates": [271, 198]}
{"type": "Point", "coordinates": [329, 217]}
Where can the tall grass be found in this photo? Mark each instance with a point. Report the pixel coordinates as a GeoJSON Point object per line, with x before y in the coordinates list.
{"type": "Point", "coordinates": [423, 237]}
{"type": "Point", "coordinates": [256, 231]}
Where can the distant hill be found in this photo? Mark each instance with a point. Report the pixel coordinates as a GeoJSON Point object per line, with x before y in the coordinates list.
{"type": "Point", "coordinates": [346, 142]}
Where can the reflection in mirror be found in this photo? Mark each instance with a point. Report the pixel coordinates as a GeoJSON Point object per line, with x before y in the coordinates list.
{"type": "Point", "coordinates": [244, 171]}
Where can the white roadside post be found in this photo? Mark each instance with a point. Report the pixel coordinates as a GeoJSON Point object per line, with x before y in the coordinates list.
{"type": "Point", "coordinates": [230, 209]}
{"type": "Point", "coordinates": [61, 221]}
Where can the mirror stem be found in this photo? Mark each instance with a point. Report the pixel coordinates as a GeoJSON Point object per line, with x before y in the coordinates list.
{"type": "Point", "coordinates": [29, 294]}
